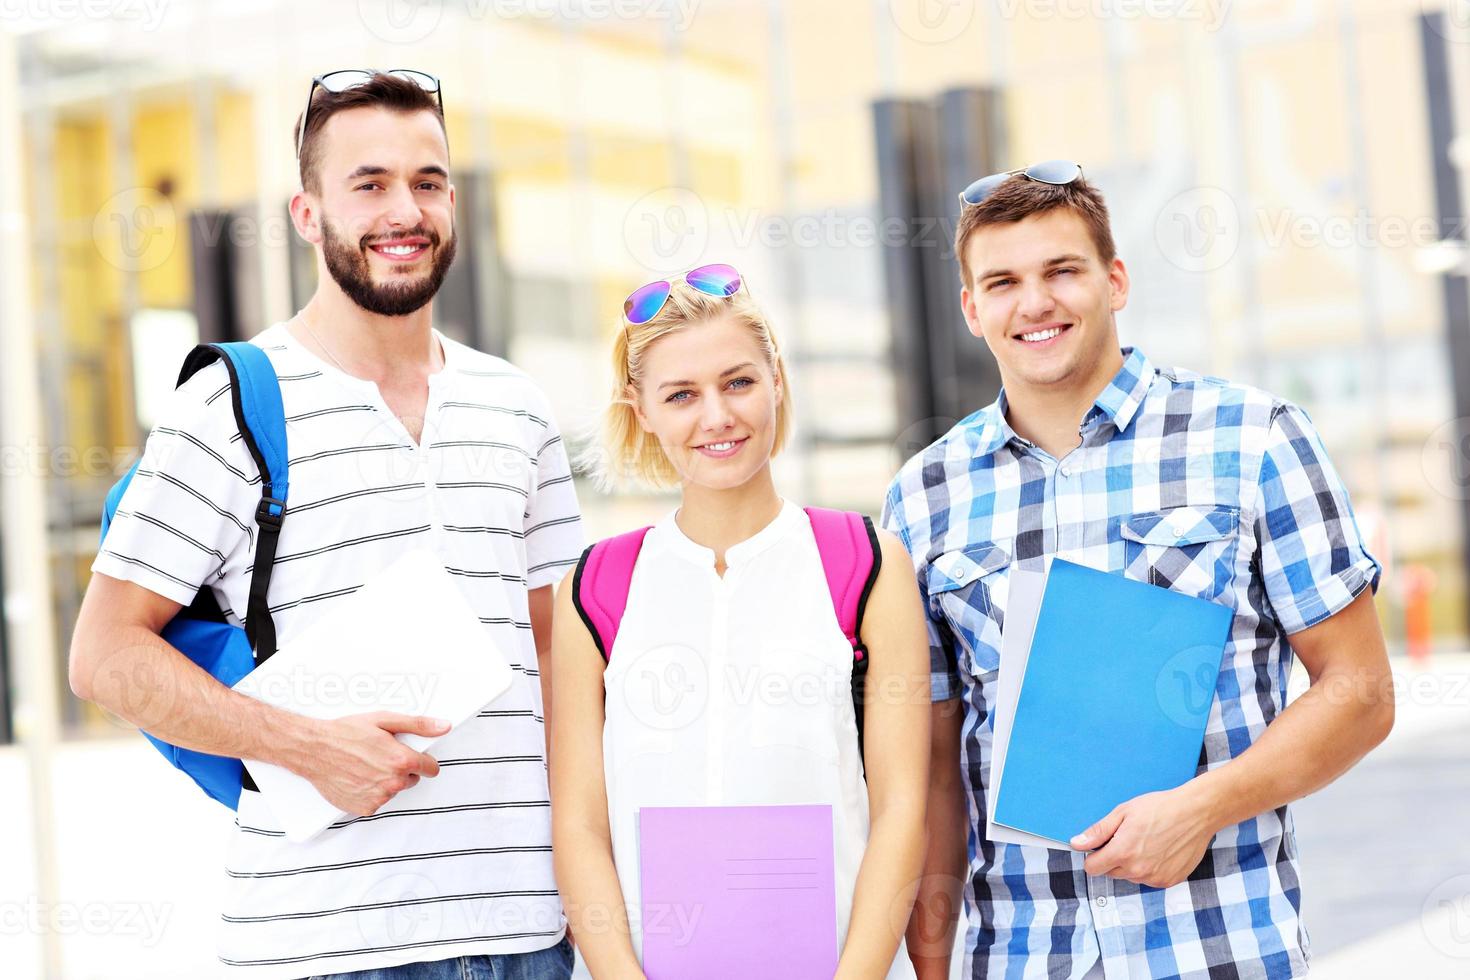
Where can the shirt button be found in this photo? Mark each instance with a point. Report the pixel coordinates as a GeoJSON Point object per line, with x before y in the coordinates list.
{"type": "Point", "coordinates": [1102, 901]}
{"type": "Point", "coordinates": [1066, 471]}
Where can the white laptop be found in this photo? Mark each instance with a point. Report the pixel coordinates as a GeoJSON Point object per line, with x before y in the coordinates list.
{"type": "Point", "coordinates": [406, 642]}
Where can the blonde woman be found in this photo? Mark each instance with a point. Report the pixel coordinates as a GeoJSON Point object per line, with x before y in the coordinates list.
{"type": "Point", "coordinates": [727, 679]}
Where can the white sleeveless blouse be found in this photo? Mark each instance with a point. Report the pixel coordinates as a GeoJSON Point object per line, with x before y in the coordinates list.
{"type": "Point", "coordinates": [733, 691]}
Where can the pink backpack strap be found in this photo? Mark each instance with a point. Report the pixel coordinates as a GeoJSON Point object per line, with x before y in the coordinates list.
{"type": "Point", "coordinates": [851, 558]}
{"type": "Point", "coordinates": [600, 585]}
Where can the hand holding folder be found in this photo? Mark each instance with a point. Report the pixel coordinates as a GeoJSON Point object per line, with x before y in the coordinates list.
{"type": "Point", "coordinates": [1104, 691]}
{"type": "Point", "coordinates": [406, 642]}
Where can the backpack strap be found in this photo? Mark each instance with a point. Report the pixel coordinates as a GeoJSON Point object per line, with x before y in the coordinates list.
{"type": "Point", "coordinates": [851, 558]}
{"type": "Point", "coordinates": [600, 585]}
{"type": "Point", "coordinates": [256, 394]}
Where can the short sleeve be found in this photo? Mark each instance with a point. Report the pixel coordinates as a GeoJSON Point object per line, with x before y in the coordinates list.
{"type": "Point", "coordinates": [1313, 561]}
{"type": "Point", "coordinates": [553, 528]}
{"type": "Point", "coordinates": [184, 517]}
{"type": "Point", "coordinates": [944, 677]}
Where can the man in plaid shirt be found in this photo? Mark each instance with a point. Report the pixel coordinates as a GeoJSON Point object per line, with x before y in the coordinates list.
{"type": "Point", "coordinates": [1209, 488]}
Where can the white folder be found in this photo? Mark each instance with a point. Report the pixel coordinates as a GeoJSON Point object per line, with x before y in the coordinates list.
{"type": "Point", "coordinates": [406, 642]}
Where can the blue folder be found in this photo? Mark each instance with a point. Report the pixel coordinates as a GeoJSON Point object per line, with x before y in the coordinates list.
{"type": "Point", "coordinates": [1116, 693]}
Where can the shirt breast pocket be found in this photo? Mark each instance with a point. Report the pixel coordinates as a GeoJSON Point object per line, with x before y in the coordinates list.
{"type": "Point", "coordinates": [968, 586]}
{"type": "Point", "coordinates": [1184, 549]}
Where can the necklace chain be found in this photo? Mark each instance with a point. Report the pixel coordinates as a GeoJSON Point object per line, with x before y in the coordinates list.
{"type": "Point", "coordinates": [307, 324]}
{"type": "Point", "coordinates": [312, 333]}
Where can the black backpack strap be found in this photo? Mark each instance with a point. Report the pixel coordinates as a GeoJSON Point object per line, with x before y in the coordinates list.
{"type": "Point", "coordinates": [255, 394]}
{"type": "Point", "coordinates": [861, 658]}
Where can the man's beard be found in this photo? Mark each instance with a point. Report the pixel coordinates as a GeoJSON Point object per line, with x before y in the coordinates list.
{"type": "Point", "coordinates": [348, 265]}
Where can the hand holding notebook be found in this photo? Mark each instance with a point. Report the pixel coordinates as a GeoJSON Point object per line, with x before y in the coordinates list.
{"type": "Point", "coordinates": [406, 642]}
{"type": "Point", "coordinates": [1104, 691]}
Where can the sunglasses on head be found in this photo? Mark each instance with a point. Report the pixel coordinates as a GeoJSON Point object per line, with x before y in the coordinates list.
{"type": "Point", "coordinates": [1049, 172]}
{"type": "Point", "coordinates": [341, 81]}
{"type": "Point", "coordinates": [645, 302]}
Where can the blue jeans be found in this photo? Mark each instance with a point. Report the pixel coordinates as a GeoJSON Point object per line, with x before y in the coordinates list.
{"type": "Point", "coordinates": [552, 963]}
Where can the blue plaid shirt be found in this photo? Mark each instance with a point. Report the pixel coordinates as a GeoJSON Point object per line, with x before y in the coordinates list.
{"type": "Point", "coordinates": [1205, 487]}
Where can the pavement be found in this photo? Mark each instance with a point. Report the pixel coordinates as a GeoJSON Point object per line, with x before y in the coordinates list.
{"type": "Point", "coordinates": [1386, 849]}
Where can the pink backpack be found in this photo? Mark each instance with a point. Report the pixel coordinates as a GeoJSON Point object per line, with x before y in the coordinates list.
{"type": "Point", "coordinates": [850, 557]}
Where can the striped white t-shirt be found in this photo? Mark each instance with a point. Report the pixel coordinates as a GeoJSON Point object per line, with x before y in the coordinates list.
{"type": "Point", "coordinates": [466, 869]}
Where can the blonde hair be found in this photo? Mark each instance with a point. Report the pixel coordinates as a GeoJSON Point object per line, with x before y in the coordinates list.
{"type": "Point", "coordinates": [628, 453]}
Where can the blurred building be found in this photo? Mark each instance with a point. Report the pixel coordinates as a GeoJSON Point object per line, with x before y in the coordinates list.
{"type": "Point", "coordinates": [1268, 165]}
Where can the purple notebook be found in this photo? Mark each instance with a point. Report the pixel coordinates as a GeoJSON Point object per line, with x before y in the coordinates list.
{"type": "Point", "coordinates": [737, 891]}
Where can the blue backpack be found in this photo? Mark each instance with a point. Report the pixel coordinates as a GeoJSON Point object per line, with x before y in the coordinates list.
{"type": "Point", "coordinates": [200, 632]}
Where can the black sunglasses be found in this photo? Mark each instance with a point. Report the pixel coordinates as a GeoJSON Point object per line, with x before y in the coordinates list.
{"type": "Point", "coordinates": [341, 81]}
{"type": "Point", "coordinates": [1049, 172]}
